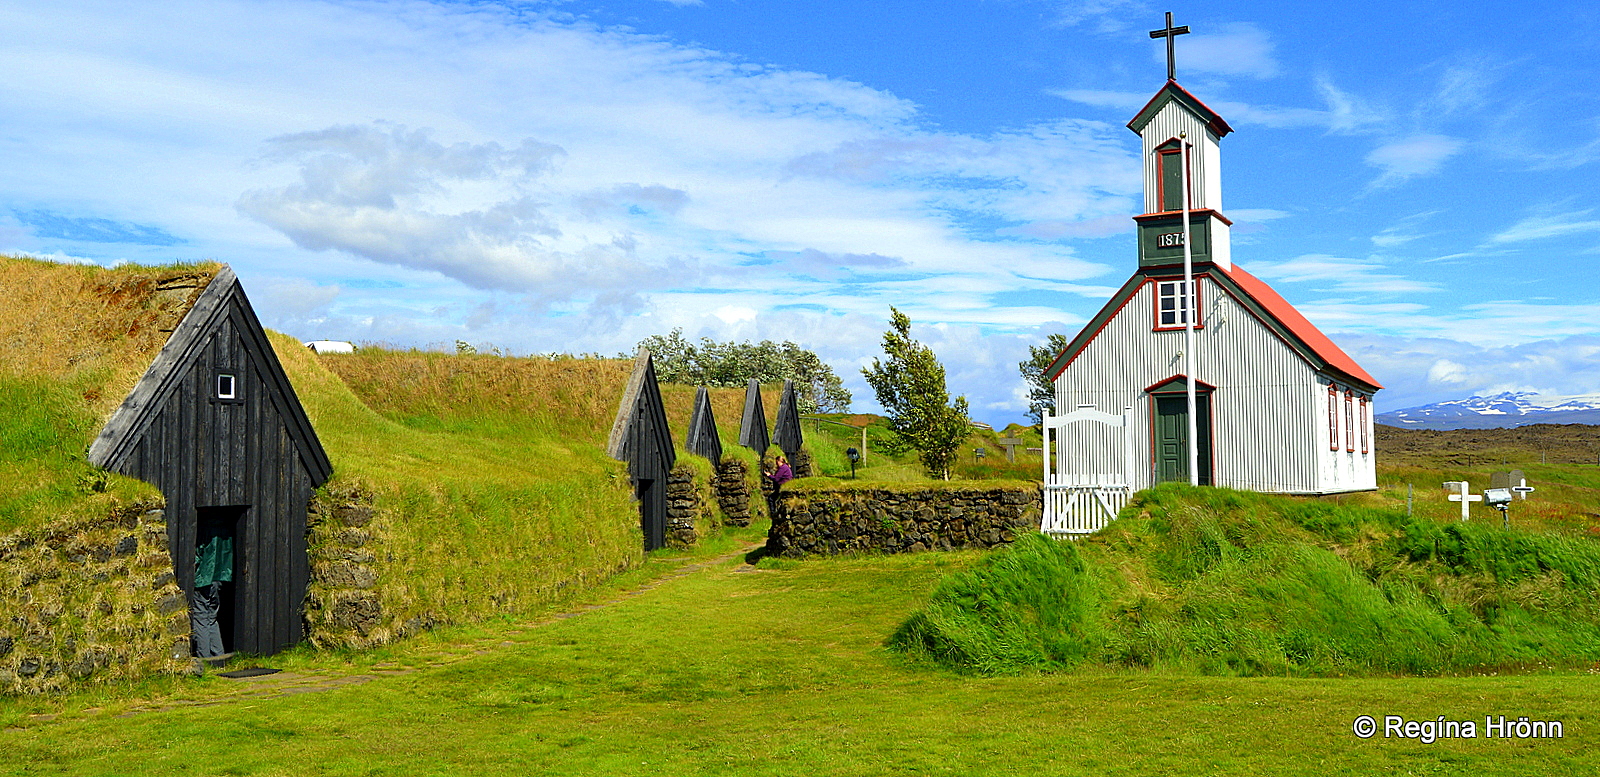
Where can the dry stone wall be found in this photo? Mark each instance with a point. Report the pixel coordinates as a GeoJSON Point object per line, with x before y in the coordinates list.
{"type": "Point", "coordinates": [687, 510]}
{"type": "Point", "coordinates": [88, 601]}
{"type": "Point", "coordinates": [900, 520]}
{"type": "Point", "coordinates": [800, 464]}
{"type": "Point", "coordinates": [345, 602]}
{"type": "Point", "coordinates": [732, 486]}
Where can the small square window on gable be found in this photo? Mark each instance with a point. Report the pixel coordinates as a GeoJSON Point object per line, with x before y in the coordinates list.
{"type": "Point", "coordinates": [1172, 305]}
{"type": "Point", "coordinates": [227, 386]}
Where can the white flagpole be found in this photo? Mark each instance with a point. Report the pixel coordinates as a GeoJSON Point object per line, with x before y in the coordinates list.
{"type": "Point", "coordinates": [1189, 316]}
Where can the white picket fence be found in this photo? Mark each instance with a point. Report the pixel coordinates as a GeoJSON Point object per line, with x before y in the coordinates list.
{"type": "Point", "coordinates": [1083, 503]}
{"type": "Point", "coordinates": [1076, 504]}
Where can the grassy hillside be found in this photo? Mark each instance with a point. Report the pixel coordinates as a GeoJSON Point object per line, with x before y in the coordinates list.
{"type": "Point", "coordinates": [774, 669]}
{"type": "Point", "coordinates": [1217, 581]}
{"type": "Point", "coordinates": [492, 489]}
{"type": "Point", "coordinates": [74, 340]}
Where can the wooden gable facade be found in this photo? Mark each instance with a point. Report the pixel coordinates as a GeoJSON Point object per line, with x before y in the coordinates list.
{"type": "Point", "coordinates": [1279, 407]}
{"type": "Point", "coordinates": [640, 436]}
{"type": "Point", "coordinates": [753, 424]}
{"type": "Point", "coordinates": [215, 424]}
{"type": "Point", "coordinates": [702, 439]}
{"type": "Point", "coordinates": [786, 431]}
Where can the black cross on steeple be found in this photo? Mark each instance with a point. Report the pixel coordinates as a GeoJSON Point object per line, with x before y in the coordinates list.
{"type": "Point", "coordinates": [1171, 33]}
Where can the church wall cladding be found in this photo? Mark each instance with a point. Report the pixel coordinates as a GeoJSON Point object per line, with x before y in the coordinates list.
{"type": "Point", "coordinates": [822, 516]}
{"type": "Point", "coordinates": [1343, 469]}
{"type": "Point", "coordinates": [1264, 402]}
{"type": "Point", "coordinates": [89, 601]}
{"type": "Point", "coordinates": [1205, 165]}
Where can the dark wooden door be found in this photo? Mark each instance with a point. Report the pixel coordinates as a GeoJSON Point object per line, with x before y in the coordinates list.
{"type": "Point", "coordinates": [1172, 438]}
{"type": "Point", "coordinates": [652, 495]}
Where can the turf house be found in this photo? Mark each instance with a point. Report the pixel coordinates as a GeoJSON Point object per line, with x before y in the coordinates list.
{"type": "Point", "coordinates": [215, 424]}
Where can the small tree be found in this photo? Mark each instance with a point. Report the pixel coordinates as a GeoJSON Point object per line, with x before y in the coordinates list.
{"type": "Point", "coordinates": [1041, 391]}
{"type": "Point", "coordinates": [910, 385]}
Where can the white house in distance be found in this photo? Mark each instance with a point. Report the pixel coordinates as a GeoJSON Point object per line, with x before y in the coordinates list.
{"type": "Point", "coordinates": [1280, 408]}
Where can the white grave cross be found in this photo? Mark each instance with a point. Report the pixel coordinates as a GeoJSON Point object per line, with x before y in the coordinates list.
{"type": "Point", "coordinates": [1461, 495]}
{"type": "Point", "coordinates": [1521, 487]}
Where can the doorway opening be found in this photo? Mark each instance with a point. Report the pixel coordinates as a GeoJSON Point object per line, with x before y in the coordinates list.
{"type": "Point", "coordinates": [219, 569]}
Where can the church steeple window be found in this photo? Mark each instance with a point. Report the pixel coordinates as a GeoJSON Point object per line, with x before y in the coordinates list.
{"type": "Point", "coordinates": [1169, 176]}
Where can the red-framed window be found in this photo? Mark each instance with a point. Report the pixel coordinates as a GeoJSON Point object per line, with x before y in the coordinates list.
{"type": "Point", "coordinates": [1349, 421]}
{"type": "Point", "coordinates": [1169, 177]}
{"type": "Point", "coordinates": [1172, 304]}
{"type": "Point", "coordinates": [1366, 424]}
{"type": "Point", "coordinates": [1333, 417]}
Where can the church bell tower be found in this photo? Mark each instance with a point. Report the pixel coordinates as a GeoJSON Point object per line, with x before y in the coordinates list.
{"type": "Point", "coordinates": [1172, 122]}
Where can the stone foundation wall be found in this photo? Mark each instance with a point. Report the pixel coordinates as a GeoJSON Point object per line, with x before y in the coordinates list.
{"type": "Point", "coordinates": [90, 601]}
{"type": "Point", "coordinates": [800, 464]}
{"type": "Point", "coordinates": [345, 605]}
{"type": "Point", "coordinates": [900, 520]}
{"type": "Point", "coordinates": [687, 509]}
{"type": "Point", "coordinates": [732, 486]}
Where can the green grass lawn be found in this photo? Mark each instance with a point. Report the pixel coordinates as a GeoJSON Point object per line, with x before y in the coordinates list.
{"type": "Point", "coordinates": [777, 669]}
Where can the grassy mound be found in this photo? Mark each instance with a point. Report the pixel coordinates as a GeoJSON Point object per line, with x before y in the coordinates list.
{"type": "Point", "coordinates": [73, 341]}
{"type": "Point", "coordinates": [1217, 581]}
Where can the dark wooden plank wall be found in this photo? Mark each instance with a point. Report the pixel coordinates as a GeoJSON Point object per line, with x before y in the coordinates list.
{"type": "Point", "coordinates": [786, 432]}
{"type": "Point", "coordinates": [202, 452]}
{"type": "Point", "coordinates": [753, 425]}
{"type": "Point", "coordinates": [703, 439]}
{"type": "Point", "coordinates": [650, 457]}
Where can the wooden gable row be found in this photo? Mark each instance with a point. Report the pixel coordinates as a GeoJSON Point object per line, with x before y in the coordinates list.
{"type": "Point", "coordinates": [215, 424]}
{"type": "Point", "coordinates": [786, 432]}
{"type": "Point", "coordinates": [640, 436]}
{"type": "Point", "coordinates": [753, 426]}
{"type": "Point", "coordinates": [703, 439]}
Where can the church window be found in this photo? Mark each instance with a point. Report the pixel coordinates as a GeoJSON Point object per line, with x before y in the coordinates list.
{"type": "Point", "coordinates": [1366, 417]}
{"type": "Point", "coordinates": [1169, 167]}
{"type": "Point", "coordinates": [1333, 417]}
{"type": "Point", "coordinates": [1349, 421]}
{"type": "Point", "coordinates": [1172, 305]}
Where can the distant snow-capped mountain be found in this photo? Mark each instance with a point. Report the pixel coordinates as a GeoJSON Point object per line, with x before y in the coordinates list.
{"type": "Point", "coordinates": [1505, 410]}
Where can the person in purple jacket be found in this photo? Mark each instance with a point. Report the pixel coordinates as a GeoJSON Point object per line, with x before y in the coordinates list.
{"type": "Point", "coordinates": [777, 476]}
{"type": "Point", "coordinates": [781, 473]}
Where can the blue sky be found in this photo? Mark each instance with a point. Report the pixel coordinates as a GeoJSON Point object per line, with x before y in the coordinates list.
{"type": "Point", "coordinates": [574, 176]}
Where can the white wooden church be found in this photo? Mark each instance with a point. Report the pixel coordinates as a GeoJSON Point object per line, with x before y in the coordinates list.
{"type": "Point", "coordinates": [1279, 407]}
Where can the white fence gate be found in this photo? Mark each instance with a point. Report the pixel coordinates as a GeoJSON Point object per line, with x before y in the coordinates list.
{"type": "Point", "coordinates": [1077, 503]}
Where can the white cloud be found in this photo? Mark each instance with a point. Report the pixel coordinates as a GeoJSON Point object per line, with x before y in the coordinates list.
{"type": "Point", "coordinates": [1420, 370]}
{"type": "Point", "coordinates": [1101, 98]}
{"type": "Point", "coordinates": [1446, 371]}
{"type": "Point", "coordinates": [1232, 49]}
{"type": "Point", "coordinates": [1541, 227]}
{"type": "Point", "coordinates": [1337, 274]}
{"type": "Point", "coordinates": [1417, 155]}
{"type": "Point", "coordinates": [1256, 215]}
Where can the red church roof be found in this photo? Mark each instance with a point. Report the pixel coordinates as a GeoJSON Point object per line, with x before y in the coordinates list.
{"type": "Point", "coordinates": [1307, 332]}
